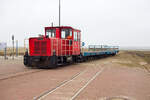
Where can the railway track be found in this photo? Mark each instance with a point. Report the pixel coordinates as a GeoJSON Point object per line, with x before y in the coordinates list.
{"type": "Point", "coordinates": [77, 93]}
{"type": "Point", "coordinates": [18, 74]}
{"type": "Point", "coordinates": [57, 87]}
{"type": "Point", "coordinates": [77, 77]}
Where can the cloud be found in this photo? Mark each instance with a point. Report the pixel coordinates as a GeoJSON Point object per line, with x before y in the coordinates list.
{"type": "Point", "coordinates": [112, 22]}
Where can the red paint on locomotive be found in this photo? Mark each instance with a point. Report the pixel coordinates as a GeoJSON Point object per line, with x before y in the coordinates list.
{"type": "Point", "coordinates": [63, 41]}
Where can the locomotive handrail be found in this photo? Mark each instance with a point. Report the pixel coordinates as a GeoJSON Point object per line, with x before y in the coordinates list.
{"type": "Point", "coordinates": [52, 47]}
{"type": "Point", "coordinates": [63, 47]}
{"type": "Point", "coordinates": [26, 45]}
{"type": "Point", "coordinates": [67, 52]}
{"type": "Point", "coordinates": [102, 47]}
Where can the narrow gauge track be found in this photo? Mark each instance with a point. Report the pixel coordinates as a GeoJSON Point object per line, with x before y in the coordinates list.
{"type": "Point", "coordinates": [45, 94]}
{"type": "Point", "coordinates": [15, 72]}
{"type": "Point", "coordinates": [60, 85]}
{"type": "Point", "coordinates": [89, 81]}
{"type": "Point", "coordinates": [18, 74]}
{"type": "Point", "coordinates": [21, 73]}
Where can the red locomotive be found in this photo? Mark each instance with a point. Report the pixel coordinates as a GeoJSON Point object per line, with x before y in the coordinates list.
{"type": "Point", "coordinates": [59, 45]}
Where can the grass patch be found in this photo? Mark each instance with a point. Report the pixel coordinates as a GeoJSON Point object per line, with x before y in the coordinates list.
{"type": "Point", "coordinates": [133, 58]}
{"type": "Point", "coordinates": [10, 51]}
{"type": "Point", "coordinates": [144, 55]}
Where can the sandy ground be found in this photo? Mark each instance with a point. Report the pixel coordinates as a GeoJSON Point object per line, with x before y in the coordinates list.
{"type": "Point", "coordinates": [112, 78]}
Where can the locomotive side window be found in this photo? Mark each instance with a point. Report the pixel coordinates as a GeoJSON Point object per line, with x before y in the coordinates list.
{"type": "Point", "coordinates": [51, 33]}
{"type": "Point", "coordinates": [79, 36]}
{"type": "Point", "coordinates": [75, 36]}
{"type": "Point", "coordinates": [63, 34]}
{"type": "Point", "coordinates": [66, 33]}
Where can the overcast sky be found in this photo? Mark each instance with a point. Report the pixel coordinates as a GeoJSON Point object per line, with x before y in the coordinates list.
{"type": "Point", "coordinates": [111, 22]}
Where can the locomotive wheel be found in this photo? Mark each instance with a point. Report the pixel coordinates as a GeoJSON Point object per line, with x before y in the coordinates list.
{"type": "Point", "coordinates": [27, 61]}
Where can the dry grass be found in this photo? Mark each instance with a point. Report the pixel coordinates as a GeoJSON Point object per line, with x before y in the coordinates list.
{"type": "Point", "coordinates": [127, 58]}
{"type": "Point", "coordinates": [144, 55]}
{"type": "Point", "coordinates": [133, 59]}
{"type": "Point", "coordinates": [10, 51]}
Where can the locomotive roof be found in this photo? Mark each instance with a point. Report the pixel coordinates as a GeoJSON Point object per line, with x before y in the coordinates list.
{"type": "Point", "coordinates": [62, 27]}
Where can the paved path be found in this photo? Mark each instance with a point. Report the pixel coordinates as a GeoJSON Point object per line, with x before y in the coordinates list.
{"type": "Point", "coordinates": [133, 84]}
{"type": "Point", "coordinates": [95, 80]}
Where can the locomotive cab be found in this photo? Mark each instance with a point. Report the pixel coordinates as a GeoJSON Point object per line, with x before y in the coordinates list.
{"type": "Point", "coordinates": [59, 45]}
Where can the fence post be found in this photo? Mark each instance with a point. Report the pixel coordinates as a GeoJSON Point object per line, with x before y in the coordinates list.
{"type": "Point", "coordinates": [13, 46]}
{"type": "Point", "coordinates": [16, 48]}
{"type": "Point", "coordinates": [5, 53]}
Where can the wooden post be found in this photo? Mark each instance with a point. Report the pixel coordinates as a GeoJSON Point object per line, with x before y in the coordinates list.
{"type": "Point", "coordinates": [5, 53]}
{"type": "Point", "coordinates": [16, 48]}
{"type": "Point", "coordinates": [13, 46]}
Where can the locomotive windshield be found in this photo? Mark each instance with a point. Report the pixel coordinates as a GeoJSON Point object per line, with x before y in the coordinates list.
{"type": "Point", "coordinates": [51, 32]}
{"type": "Point", "coordinates": [66, 33]}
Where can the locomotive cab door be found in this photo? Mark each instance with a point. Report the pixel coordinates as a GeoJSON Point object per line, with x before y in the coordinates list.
{"type": "Point", "coordinates": [76, 42]}
{"type": "Point", "coordinates": [66, 41]}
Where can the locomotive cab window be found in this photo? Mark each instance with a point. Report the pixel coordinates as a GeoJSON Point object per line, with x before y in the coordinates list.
{"type": "Point", "coordinates": [66, 33]}
{"type": "Point", "coordinates": [51, 32]}
{"type": "Point", "coordinates": [79, 36]}
{"type": "Point", "coordinates": [75, 36]}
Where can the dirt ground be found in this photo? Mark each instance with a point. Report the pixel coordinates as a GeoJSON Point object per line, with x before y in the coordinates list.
{"type": "Point", "coordinates": [125, 76]}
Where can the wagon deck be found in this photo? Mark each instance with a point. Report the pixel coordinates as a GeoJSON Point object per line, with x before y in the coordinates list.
{"type": "Point", "coordinates": [99, 53]}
